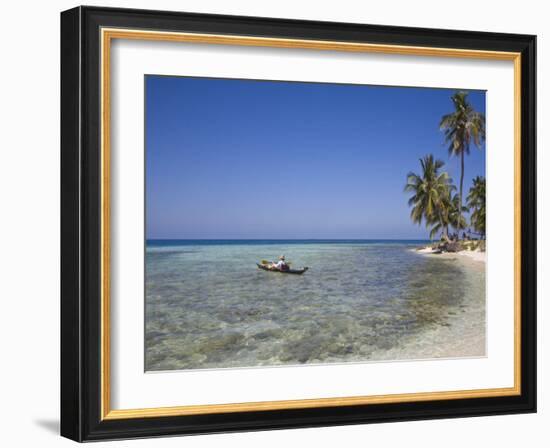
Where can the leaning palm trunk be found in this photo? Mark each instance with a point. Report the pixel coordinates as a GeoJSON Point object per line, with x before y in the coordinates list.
{"type": "Point", "coordinates": [446, 234]}
{"type": "Point", "coordinates": [461, 186]}
{"type": "Point", "coordinates": [444, 227]}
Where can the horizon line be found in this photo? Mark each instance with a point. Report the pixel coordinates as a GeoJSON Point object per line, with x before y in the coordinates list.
{"type": "Point", "coordinates": [287, 239]}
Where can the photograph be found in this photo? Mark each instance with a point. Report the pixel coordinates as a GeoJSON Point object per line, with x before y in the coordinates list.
{"type": "Point", "coordinates": [304, 223]}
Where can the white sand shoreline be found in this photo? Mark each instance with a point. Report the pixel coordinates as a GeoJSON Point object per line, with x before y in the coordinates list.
{"type": "Point", "coordinates": [472, 255]}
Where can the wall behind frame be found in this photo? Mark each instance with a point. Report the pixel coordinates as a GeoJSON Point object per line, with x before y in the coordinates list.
{"type": "Point", "coordinates": [29, 228]}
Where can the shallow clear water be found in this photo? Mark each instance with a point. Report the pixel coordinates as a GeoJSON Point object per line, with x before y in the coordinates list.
{"type": "Point", "coordinates": [209, 306]}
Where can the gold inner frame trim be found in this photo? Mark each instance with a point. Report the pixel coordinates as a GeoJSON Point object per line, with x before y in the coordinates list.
{"type": "Point", "coordinates": [107, 35]}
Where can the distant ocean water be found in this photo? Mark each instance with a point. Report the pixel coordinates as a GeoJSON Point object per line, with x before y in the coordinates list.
{"type": "Point", "coordinates": [208, 306]}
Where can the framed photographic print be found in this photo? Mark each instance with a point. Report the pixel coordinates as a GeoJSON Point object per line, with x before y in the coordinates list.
{"type": "Point", "coordinates": [273, 223]}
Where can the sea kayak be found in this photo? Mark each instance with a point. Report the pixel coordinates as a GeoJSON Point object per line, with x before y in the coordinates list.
{"type": "Point", "coordinates": [266, 267]}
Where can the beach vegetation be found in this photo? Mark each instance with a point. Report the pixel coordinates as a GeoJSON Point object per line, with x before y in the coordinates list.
{"type": "Point", "coordinates": [476, 202]}
{"type": "Point", "coordinates": [462, 127]}
{"type": "Point", "coordinates": [435, 200]}
{"type": "Point", "coordinates": [431, 196]}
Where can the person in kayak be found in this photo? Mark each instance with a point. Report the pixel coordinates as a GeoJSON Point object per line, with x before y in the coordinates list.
{"type": "Point", "coordinates": [280, 265]}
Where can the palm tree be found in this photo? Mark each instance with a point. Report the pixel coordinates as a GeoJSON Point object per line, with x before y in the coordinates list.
{"type": "Point", "coordinates": [444, 221]}
{"type": "Point", "coordinates": [456, 217]}
{"type": "Point", "coordinates": [476, 201]}
{"type": "Point", "coordinates": [449, 215]}
{"type": "Point", "coordinates": [431, 192]}
{"type": "Point", "coordinates": [462, 127]}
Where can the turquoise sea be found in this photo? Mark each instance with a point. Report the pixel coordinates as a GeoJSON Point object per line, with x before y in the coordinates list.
{"type": "Point", "coordinates": [208, 306]}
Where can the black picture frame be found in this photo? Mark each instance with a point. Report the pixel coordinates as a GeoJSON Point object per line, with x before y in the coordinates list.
{"type": "Point", "coordinates": [81, 224]}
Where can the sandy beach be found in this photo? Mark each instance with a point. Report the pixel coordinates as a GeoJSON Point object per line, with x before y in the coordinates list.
{"type": "Point", "coordinates": [464, 255]}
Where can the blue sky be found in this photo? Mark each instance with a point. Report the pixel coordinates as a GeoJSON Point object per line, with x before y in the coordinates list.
{"type": "Point", "coordinates": [261, 159]}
